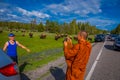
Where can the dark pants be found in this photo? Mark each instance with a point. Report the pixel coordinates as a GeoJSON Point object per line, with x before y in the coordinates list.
{"type": "Point", "coordinates": [15, 59]}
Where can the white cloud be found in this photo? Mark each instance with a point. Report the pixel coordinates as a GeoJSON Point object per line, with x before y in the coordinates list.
{"type": "Point", "coordinates": [2, 10]}
{"type": "Point", "coordinates": [80, 7]}
{"type": "Point", "coordinates": [101, 21]}
{"type": "Point", "coordinates": [12, 15]}
{"type": "Point", "coordinates": [32, 13]}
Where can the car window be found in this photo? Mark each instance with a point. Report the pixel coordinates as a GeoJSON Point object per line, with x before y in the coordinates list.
{"type": "Point", "coordinates": [114, 35]}
{"type": "Point", "coordinates": [99, 36]}
{"type": "Point", "coordinates": [118, 39]}
{"type": "Point", "coordinates": [4, 59]}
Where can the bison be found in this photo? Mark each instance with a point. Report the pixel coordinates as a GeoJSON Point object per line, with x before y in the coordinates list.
{"type": "Point", "coordinates": [65, 35]}
{"type": "Point", "coordinates": [42, 36]}
{"type": "Point", "coordinates": [57, 37]}
{"type": "Point", "coordinates": [23, 34]}
{"type": "Point", "coordinates": [75, 38]}
{"type": "Point", "coordinates": [1, 31]}
{"type": "Point", "coordinates": [30, 35]}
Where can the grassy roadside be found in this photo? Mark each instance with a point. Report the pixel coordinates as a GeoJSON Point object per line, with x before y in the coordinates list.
{"type": "Point", "coordinates": [35, 44]}
{"type": "Point", "coordinates": [92, 37]}
{"type": "Point", "coordinates": [42, 50]}
{"type": "Point", "coordinates": [34, 63]}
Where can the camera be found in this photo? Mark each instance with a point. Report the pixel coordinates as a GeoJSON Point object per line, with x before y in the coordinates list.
{"type": "Point", "coordinates": [66, 39]}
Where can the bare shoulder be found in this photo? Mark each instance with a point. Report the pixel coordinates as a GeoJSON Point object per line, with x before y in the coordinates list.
{"type": "Point", "coordinates": [6, 43]}
{"type": "Point", "coordinates": [17, 42]}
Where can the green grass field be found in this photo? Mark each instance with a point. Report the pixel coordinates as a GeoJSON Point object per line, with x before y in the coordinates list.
{"type": "Point", "coordinates": [35, 44]}
{"type": "Point", "coordinates": [42, 50]}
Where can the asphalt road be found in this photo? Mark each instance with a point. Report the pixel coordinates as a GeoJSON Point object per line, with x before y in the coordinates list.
{"type": "Point", "coordinates": [108, 64]}
{"type": "Point", "coordinates": [104, 64]}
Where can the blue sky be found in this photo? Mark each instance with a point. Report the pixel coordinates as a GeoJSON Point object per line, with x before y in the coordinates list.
{"type": "Point", "coordinates": [105, 14]}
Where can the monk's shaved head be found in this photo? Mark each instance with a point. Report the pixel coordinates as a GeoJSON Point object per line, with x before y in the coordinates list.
{"type": "Point", "coordinates": [84, 34]}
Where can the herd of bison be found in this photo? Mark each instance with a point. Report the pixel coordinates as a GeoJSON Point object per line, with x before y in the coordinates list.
{"type": "Point", "coordinates": [57, 36]}
{"type": "Point", "coordinates": [43, 36]}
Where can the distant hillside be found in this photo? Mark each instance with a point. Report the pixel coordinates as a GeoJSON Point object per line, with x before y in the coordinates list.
{"type": "Point", "coordinates": [72, 27]}
{"type": "Point", "coordinates": [116, 30]}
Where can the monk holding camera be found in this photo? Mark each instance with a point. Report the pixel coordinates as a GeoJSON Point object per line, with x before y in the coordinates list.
{"type": "Point", "coordinates": [77, 56]}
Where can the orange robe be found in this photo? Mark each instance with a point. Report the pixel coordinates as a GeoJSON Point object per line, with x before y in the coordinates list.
{"type": "Point", "coordinates": [77, 59]}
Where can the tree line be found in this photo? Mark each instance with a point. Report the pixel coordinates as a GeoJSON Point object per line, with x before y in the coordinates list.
{"type": "Point", "coordinates": [72, 27]}
{"type": "Point", "coordinates": [116, 30]}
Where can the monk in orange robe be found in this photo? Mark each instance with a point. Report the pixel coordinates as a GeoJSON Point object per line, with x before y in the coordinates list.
{"type": "Point", "coordinates": [77, 56]}
{"type": "Point", "coordinates": [68, 60]}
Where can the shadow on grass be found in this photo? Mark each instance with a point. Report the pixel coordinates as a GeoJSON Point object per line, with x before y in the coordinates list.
{"type": "Point", "coordinates": [22, 66]}
{"type": "Point", "coordinates": [24, 77]}
{"type": "Point", "coordinates": [57, 73]}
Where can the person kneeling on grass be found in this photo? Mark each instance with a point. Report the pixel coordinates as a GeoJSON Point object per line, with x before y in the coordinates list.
{"type": "Point", "coordinates": [11, 47]}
